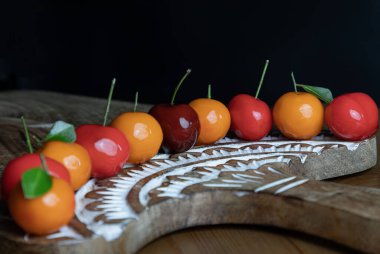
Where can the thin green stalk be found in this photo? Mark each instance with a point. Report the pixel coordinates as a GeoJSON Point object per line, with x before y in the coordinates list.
{"type": "Point", "coordinates": [26, 133]}
{"type": "Point", "coordinates": [43, 163]}
{"type": "Point", "coordinates": [109, 101]}
{"type": "Point", "coordinates": [136, 101]}
{"type": "Point", "coordinates": [179, 85]}
{"type": "Point", "coordinates": [294, 82]}
{"type": "Point", "coordinates": [262, 78]}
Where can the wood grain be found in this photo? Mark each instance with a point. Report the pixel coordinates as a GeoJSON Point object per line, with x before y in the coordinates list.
{"type": "Point", "coordinates": [355, 206]}
{"type": "Point", "coordinates": [241, 239]}
{"type": "Point", "coordinates": [349, 215]}
{"type": "Point", "coordinates": [254, 239]}
{"type": "Point", "coordinates": [48, 107]}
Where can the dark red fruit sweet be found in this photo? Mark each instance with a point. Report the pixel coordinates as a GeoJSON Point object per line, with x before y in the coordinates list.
{"type": "Point", "coordinates": [352, 116]}
{"type": "Point", "coordinates": [180, 126]}
{"type": "Point", "coordinates": [107, 146]}
{"type": "Point", "coordinates": [179, 123]}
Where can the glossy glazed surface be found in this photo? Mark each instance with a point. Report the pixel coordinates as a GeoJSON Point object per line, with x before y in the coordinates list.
{"type": "Point", "coordinates": [214, 119]}
{"type": "Point", "coordinates": [180, 126]}
{"type": "Point", "coordinates": [251, 118]}
{"type": "Point", "coordinates": [74, 157]}
{"type": "Point", "coordinates": [44, 214]}
{"type": "Point", "coordinates": [107, 146]}
{"type": "Point", "coordinates": [352, 116]}
{"type": "Point", "coordinates": [143, 133]}
{"type": "Point", "coordinates": [298, 115]}
{"type": "Point", "coordinates": [15, 168]}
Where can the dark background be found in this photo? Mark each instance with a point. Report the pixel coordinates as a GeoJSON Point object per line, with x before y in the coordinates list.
{"type": "Point", "coordinates": [79, 46]}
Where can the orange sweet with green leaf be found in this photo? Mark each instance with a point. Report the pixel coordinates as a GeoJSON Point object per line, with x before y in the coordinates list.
{"type": "Point", "coordinates": [299, 115]}
{"type": "Point", "coordinates": [41, 204]}
{"type": "Point", "coordinates": [214, 119]}
{"type": "Point", "coordinates": [59, 145]}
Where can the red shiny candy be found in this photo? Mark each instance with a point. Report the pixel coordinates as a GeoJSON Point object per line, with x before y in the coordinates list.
{"type": "Point", "coordinates": [251, 118]}
{"type": "Point", "coordinates": [352, 116]}
{"type": "Point", "coordinates": [15, 168]}
{"type": "Point", "coordinates": [107, 146]}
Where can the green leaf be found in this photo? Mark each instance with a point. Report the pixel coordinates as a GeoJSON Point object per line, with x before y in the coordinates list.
{"type": "Point", "coordinates": [61, 131]}
{"type": "Point", "coordinates": [35, 182]}
{"type": "Point", "coordinates": [321, 93]}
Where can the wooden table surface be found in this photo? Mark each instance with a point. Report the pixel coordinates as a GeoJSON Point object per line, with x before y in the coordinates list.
{"type": "Point", "coordinates": [42, 107]}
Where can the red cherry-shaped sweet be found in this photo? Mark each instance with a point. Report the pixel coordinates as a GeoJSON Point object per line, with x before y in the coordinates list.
{"type": "Point", "coordinates": [15, 168]}
{"type": "Point", "coordinates": [352, 116]}
{"type": "Point", "coordinates": [180, 126]}
{"type": "Point", "coordinates": [251, 118]}
{"type": "Point", "coordinates": [107, 146]}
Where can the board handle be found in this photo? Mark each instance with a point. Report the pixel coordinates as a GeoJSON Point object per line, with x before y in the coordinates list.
{"type": "Point", "coordinates": [348, 215]}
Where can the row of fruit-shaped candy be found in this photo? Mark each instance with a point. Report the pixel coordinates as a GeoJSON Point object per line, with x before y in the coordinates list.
{"type": "Point", "coordinates": [39, 187]}
{"type": "Point", "coordinates": [297, 115]}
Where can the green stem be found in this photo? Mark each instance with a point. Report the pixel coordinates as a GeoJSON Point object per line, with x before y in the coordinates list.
{"type": "Point", "coordinates": [39, 141]}
{"type": "Point", "coordinates": [179, 85]}
{"type": "Point", "coordinates": [136, 100]}
{"type": "Point", "coordinates": [109, 101]}
{"type": "Point", "coordinates": [26, 133]}
{"type": "Point", "coordinates": [262, 78]}
{"type": "Point", "coordinates": [294, 82]}
{"type": "Point", "coordinates": [209, 91]}
{"type": "Point", "coordinates": [43, 163]}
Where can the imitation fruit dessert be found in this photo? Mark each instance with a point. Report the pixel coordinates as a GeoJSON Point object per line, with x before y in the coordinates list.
{"type": "Point", "coordinates": [74, 157]}
{"type": "Point", "coordinates": [251, 118]}
{"type": "Point", "coordinates": [143, 132]}
{"type": "Point", "coordinates": [41, 204]}
{"type": "Point", "coordinates": [15, 168]}
{"type": "Point", "coordinates": [298, 115]}
{"type": "Point", "coordinates": [59, 144]}
{"type": "Point", "coordinates": [179, 123]}
{"type": "Point", "coordinates": [352, 116]}
{"type": "Point", "coordinates": [214, 119]}
{"type": "Point", "coordinates": [107, 147]}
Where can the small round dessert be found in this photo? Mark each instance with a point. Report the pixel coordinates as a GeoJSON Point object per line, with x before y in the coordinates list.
{"type": "Point", "coordinates": [74, 157]}
{"type": "Point", "coordinates": [44, 214]}
{"type": "Point", "coordinates": [107, 147]}
{"type": "Point", "coordinates": [352, 116]}
{"type": "Point", "coordinates": [179, 123]}
{"type": "Point", "coordinates": [251, 118]}
{"type": "Point", "coordinates": [143, 133]}
{"type": "Point", "coordinates": [214, 119]}
{"type": "Point", "coordinates": [15, 168]}
{"type": "Point", "coordinates": [298, 115]}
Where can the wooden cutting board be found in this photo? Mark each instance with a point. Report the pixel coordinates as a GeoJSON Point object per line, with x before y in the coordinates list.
{"type": "Point", "coordinates": [271, 182]}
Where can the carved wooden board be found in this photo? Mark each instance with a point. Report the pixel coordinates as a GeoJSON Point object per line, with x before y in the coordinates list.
{"type": "Point", "coordinates": [271, 182]}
